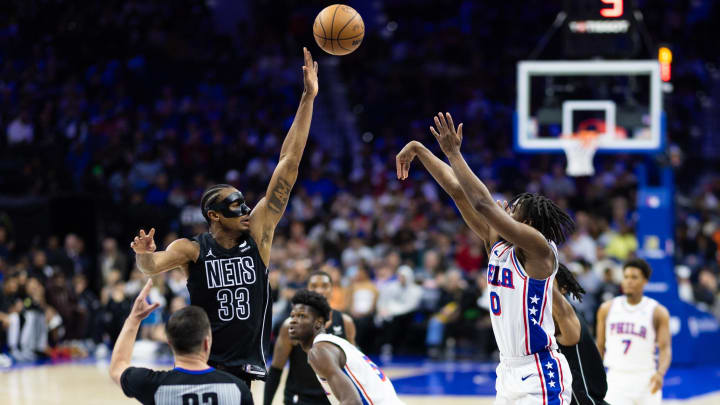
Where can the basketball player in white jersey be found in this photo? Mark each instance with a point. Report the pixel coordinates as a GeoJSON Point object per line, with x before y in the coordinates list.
{"type": "Point", "coordinates": [520, 239]}
{"type": "Point", "coordinates": [348, 376]}
{"type": "Point", "coordinates": [629, 329]}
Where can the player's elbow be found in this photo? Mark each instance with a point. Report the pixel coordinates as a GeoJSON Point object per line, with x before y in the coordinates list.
{"type": "Point", "coordinates": [480, 204]}
{"type": "Point", "coordinates": [116, 372]}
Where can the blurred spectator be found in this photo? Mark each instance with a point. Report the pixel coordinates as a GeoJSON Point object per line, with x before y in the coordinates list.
{"type": "Point", "coordinates": [363, 296]}
{"type": "Point", "coordinates": [112, 259]}
{"type": "Point", "coordinates": [396, 308]}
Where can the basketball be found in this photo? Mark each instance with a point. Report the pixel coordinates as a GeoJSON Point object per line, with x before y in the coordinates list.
{"type": "Point", "coordinates": [338, 29]}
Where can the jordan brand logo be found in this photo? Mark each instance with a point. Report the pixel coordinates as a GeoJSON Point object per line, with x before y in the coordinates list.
{"type": "Point", "coordinates": [210, 253]}
{"type": "Point", "coordinates": [337, 329]}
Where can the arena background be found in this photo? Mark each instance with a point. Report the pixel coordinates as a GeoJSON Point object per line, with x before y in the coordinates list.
{"type": "Point", "coordinates": [116, 115]}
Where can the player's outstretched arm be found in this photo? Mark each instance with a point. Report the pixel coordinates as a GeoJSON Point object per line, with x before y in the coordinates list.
{"type": "Point", "coordinates": [567, 322]}
{"type": "Point", "coordinates": [661, 322]}
{"type": "Point", "coordinates": [122, 352]}
{"type": "Point", "coordinates": [267, 213]}
{"type": "Point", "coordinates": [281, 353]}
{"type": "Point", "coordinates": [327, 359]}
{"type": "Point", "coordinates": [445, 177]}
{"type": "Point", "coordinates": [538, 258]}
{"type": "Point", "coordinates": [600, 326]}
{"type": "Point", "coordinates": [177, 255]}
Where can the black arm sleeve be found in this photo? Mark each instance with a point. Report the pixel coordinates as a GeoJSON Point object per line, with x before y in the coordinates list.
{"type": "Point", "coordinates": [271, 384]}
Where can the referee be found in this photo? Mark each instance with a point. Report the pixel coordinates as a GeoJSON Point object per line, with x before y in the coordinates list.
{"type": "Point", "coordinates": [192, 381]}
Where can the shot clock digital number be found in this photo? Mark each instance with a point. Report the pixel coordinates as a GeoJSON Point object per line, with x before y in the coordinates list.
{"type": "Point", "coordinates": [615, 11]}
{"type": "Point", "coordinates": [600, 28]}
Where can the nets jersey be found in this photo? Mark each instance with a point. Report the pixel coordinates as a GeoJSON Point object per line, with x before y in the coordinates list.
{"type": "Point", "coordinates": [373, 386]}
{"type": "Point", "coordinates": [231, 285]}
{"type": "Point", "coordinates": [521, 306]}
{"type": "Point", "coordinates": [630, 335]}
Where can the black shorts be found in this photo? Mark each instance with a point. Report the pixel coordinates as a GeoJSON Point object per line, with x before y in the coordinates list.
{"type": "Point", "coordinates": [300, 399]}
{"type": "Point", "coordinates": [237, 371]}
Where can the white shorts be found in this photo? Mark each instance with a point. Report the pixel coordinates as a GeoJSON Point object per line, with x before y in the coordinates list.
{"type": "Point", "coordinates": [631, 388]}
{"type": "Point", "coordinates": [540, 379]}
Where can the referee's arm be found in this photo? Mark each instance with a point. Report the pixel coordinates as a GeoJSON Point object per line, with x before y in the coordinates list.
{"type": "Point", "coordinates": [122, 352]}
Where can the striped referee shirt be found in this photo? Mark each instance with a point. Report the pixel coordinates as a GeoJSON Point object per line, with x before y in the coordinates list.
{"type": "Point", "coordinates": [184, 387]}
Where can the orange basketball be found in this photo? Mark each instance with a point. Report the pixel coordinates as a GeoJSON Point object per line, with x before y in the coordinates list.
{"type": "Point", "coordinates": [338, 29]}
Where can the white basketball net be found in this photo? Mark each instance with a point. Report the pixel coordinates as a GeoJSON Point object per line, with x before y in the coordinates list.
{"type": "Point", "coordinates": [580, 151]}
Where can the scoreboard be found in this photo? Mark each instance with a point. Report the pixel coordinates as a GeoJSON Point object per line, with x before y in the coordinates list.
{"type": "Point", "coordinates": [601, 28]}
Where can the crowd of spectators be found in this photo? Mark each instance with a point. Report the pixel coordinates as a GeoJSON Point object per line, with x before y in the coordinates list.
{"type": "Point", "coordinates": [141, 127]}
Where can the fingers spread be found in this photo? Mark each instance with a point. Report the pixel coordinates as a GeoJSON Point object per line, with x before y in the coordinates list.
{"type": "Point", "coordinates": [142, 233]}
{"type": "Point", "coordinates": [460, 130]}
{"type": "Point", "coordinates": [434, 132]}
{"type": "Point", "coordinates": [450, 120]}
{"type": "Point", "coordinates": [438, 124]}
{"type": "Point", "coordinates": [442, 120]}
{"type": "Point", "coordinates": [152, 232]}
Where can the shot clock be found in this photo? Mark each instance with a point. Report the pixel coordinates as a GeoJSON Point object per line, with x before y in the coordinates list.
{"type": "Point", "coordinates": [601, 28]}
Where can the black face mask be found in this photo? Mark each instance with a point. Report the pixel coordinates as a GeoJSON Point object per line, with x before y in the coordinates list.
{"type": "Point", "coordinates": [223, 206]}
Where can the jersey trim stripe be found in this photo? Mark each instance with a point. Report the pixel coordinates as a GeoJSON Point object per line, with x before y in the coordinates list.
{"type": "Point", "coordinates": [525, 321]}
{"type": "Point", "coordinates": [542, 311]}
{"type": "Point", "coordinates": [535, 298]}
{"type": "Point", "coordinates": [262, 330]}
{"type": "Point", "coordinates": [517, 265]}
{"type": "Point", "coordinates": [542, 378]}
{"type": "Point", "coordinates": [186, 371]}
{"type": "Point", "coordinates": [505, 250]}
{"type": "Point", "coordinates": [551, 370]}
{"type": "Point", "coordinates": [361, 390]}
{"type": "Point", "coordinates": [562, 379]}
{"type": "Point", "coordinates": [498, 243]}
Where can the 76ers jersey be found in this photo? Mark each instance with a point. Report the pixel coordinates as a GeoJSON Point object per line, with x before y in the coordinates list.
{"type": "Point", "coordinates": [521, 306]}
{"type": "Point", "coordinates": [373, 386]}
{"type": "Point", "coordinates": [630, 335]}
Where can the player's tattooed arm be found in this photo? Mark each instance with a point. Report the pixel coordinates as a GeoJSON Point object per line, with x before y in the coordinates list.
{"type": "Point", "coordinates": [270, 209]}
{"type": "Point", "coordinates": [445, 177]}
{"type": "Point", "coordinates": [177, 255]}
{"type": "Point", "coordinates": [326, 359]}
{"type": "Point", "coordinates": [538, 256]}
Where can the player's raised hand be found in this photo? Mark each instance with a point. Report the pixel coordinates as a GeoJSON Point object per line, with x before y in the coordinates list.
{"type": "Point", "coordinates": [142, 308]}
{"type": "Point", "coordinates": [503, 205]}
{"type": "Point", "coordinates": [404, 158]}
{"type": "Point", "coordinates": [144, 243]}
{"type": "Point", "coordinates": [310, 69]}
{"type": "Point", "coordinates": [448, 137]}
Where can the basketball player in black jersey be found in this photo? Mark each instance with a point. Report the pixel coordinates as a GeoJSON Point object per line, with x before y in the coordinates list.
{"type": "Point", "coordinates": [227, 266]}
{"type": "Point", "coordinates": [302, 386]}
{"type": "Point", "coordinates": [192, 381]}
{"type": "Point", "coordinates": [589, 381]}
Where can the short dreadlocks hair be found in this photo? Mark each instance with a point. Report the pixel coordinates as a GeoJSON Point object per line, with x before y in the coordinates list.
{"type": "Point", "coordinates": [314, 300]}
{"type": "Point", "coordinates": [567, 281]}
{"type": "Point", "coordinates": [209, 197]}
{"type": "Point", "coordinates": [544, 215]}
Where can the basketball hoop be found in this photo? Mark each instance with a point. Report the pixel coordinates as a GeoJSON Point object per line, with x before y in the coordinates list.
{"type": "Point", "coordinates": [580, 150]}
